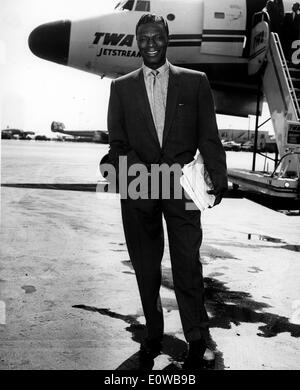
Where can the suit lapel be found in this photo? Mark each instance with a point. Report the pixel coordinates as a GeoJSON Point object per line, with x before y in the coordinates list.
{"type": "Point", "coordinates": [173, 89]}
{"type": "Point", "coordinates": [143, 101]}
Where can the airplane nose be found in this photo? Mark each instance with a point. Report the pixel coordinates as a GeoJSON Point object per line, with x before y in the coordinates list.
{"type": "Point", "coordinates": [51, 41]}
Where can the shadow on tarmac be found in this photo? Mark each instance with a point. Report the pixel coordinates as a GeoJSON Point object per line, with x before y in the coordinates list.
{"type": "Point", "coordinates": [225, 307]}
{"type": "Point", "coordinates": [291, 207]}
{"type": "Point", "coordinates": [86, 187]}
{"type": "Point", "coordinates": [235, 307]}
{"type": "Point", "coordinates": [173, 347]}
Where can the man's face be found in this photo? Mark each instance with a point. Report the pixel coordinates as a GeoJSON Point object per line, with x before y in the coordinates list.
{"type": "Point", "coordinates": [295, 7]}
{"type": "Point", "coordinates": [152, 40]}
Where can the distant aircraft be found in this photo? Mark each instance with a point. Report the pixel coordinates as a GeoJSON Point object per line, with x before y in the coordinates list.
{"type": "Point", "coordinates": [230, 40]}
{"type": "Point", "coordinates": [15, 133]}
{"type": "Point", "coordinates": [100, 136]}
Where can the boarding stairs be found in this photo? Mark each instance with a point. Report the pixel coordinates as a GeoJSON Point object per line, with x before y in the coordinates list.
{"type": "Point", "coordinates": [279, 82]}
{"type": "Point", "coordinates": [281, 87]}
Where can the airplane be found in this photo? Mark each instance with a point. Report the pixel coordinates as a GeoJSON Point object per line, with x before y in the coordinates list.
{"type": "Point", "coordinates": [100, 136]}
{"type": "Point", "coordinates": [230, 40]}
{"type": "Point", "coordinates": [16, 133]}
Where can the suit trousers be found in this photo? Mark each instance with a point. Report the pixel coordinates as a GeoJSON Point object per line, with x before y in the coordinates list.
{"type": "Point", "coordinates": [144, 234]}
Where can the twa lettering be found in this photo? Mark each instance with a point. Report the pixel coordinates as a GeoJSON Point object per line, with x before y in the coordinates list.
{"type": "Point", "coordinates": [113, 39]}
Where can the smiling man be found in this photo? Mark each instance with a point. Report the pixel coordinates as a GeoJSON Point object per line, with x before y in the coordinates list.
{"type": "Point", "coordinates": [152, 39]}
{"type": "Point", "coordinates": [161, 115]}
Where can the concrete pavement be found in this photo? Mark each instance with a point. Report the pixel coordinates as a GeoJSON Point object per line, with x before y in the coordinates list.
{"type": "Point", "coordinates": [72, 301]}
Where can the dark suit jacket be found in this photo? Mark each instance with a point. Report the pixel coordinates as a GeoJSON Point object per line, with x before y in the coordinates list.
{"type": "Point", "coordinates": [291, 27]}
{"type": "Point", "coordinates": [190, 123]}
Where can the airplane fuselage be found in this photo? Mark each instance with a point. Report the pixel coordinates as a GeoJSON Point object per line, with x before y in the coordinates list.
{"type": "Point", "coordinates": [208, 35]}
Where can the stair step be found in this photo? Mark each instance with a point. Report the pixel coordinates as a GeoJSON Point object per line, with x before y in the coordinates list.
{"type": "Point", "coordinates": [294, 72]}
{"type": "Point", "coordinates": [297, 91]}
{"type": "Point", "coordinates": [296, 82]}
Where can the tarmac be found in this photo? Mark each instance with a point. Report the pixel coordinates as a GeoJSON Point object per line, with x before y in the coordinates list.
{"type": "Point", "coordinates": [69, 296]}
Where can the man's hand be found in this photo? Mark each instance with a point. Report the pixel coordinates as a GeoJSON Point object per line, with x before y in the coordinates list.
{"type": "Point", "coordinates": [218, 194]}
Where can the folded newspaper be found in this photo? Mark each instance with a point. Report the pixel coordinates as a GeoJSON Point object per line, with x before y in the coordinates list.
{"type": "Point", "coordinates": [196, 182]}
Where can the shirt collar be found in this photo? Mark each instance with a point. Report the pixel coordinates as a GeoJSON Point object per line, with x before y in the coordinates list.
{"type": "Point", "coordinates": [163, 69]}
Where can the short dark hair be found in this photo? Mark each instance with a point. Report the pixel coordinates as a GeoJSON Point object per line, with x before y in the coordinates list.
{"type": "Point", "coordinates": [152, 18]}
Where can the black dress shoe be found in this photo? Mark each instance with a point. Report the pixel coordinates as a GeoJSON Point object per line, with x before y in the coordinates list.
{"type": "Point", "coordinates": [149, 350]}
{"type": "Point", "coordinates": [209, 359]}
{"type": "Point", "coordinates": [194, 359]}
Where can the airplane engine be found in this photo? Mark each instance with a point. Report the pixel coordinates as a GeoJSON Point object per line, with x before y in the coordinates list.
{"type": "Point", "coordinates": [57, 127]}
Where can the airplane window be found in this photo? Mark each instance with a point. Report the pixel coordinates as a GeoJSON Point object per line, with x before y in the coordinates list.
{"type": "Point", "coordinates": [125, 5]}
{"type": "Point", "coordinates": [219, 15]}
{"type": "Point", "coordinates": [143, 6]}
{"type": "Point", "coordinates": [128, 5]}
{"type": "Point", "coordinates": [171, 17]}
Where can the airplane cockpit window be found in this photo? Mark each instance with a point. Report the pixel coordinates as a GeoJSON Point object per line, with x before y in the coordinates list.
{"type": "Point", "coordinates": [125, 5]}
{"type": "Point", "coordinates": [219, 15]}
{"type": "Point", "coordinates": [142, 6]}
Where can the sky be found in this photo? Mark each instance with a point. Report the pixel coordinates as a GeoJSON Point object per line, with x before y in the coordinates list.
{"type": "Point", "coordinates": [35, 92]}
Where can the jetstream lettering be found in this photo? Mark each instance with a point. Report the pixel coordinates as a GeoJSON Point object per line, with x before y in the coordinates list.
{"type": "Point", "coordinates": [119, 53]}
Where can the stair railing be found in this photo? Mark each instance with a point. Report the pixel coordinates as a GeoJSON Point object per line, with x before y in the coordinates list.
{"type": "Point", "coordinates": [287, 75]}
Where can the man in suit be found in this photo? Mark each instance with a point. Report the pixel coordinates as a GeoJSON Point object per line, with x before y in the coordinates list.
{"type": "Point", "coordinates": [161, 114]}
{"type": "Point", "coordinates": [291, 30]}
{"type": "Point", "coordinates": [276, 14]}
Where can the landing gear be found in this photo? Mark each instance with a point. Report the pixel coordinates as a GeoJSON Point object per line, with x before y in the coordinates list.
{"type": "Point", "coordinates": [235, 187]}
